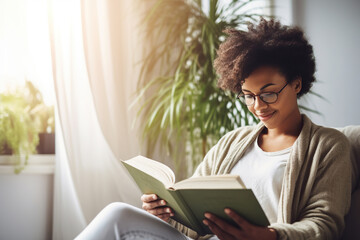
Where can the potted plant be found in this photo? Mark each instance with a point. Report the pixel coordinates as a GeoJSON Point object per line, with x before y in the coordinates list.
{"type": "Point", "coordinates": [18, 133]}
{"type": "Point", "coordinates": [26, 125]}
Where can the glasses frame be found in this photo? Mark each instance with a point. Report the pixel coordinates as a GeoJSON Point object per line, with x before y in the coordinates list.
{"type": "Point", "coordinates": [259, 95]}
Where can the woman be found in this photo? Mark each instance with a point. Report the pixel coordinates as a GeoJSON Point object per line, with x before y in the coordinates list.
{"type": "Point", "coordinates": [300, 172]}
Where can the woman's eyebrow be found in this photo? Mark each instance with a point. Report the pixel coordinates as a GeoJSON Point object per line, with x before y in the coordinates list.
{"type": "Point", "coordinates": [262, 88]}
{"type": "Point", "coordinates": [267, 85]}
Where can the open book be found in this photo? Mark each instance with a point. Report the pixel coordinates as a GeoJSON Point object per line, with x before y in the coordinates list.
{"type": "Point", "coordinates": [192, 197]}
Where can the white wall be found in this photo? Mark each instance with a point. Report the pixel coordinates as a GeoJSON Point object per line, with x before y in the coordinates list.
{"type": "Point", "coordinates": [333, 28]}
{"type": "Point", "coordinates": [26, 207]}
{"type": "Point", "coordinates": [26, 200]}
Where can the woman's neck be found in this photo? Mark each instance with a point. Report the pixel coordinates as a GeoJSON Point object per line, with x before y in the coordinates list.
{"type": "Point", "coordinates": [272, 140]}
{"type": "Point", "coordinates": [291, 127]}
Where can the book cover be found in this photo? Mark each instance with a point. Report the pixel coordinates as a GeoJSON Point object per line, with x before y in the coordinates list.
{"type": "Point", "coordinates": [191, 198]}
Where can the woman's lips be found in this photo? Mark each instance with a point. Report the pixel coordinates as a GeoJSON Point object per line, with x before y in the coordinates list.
{"type": "Point", "coordinates": [265, 117]}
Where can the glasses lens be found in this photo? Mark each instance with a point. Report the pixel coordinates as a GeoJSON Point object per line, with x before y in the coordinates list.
{"type": "Point", "coordinates": [247, 99]}
{"type": "Point", "coordinates": [268, 97]}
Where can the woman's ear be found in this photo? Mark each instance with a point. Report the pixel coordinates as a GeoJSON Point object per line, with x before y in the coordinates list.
{"type": "Point", "coordinates": [296, 84]}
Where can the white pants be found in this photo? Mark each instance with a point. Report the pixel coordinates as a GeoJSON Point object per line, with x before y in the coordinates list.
{"type": "Point", "coordinates": [122, 221]}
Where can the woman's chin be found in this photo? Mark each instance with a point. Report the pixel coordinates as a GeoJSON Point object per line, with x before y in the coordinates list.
{"type": "Point", "coordinates": [267, 118]}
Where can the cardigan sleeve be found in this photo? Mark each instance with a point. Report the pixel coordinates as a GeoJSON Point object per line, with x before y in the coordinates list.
{"type": "Point", "coordinates": [323, 215]}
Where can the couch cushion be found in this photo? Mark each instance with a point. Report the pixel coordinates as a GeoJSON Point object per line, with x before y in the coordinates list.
{"type": "Point", "coordinates": [353, 134]}
{"type": "Point", "coordinates": [352, 219]}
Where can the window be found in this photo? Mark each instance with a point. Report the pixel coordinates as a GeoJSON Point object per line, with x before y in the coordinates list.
{"type": "Point", "coordinates": [27, 96]}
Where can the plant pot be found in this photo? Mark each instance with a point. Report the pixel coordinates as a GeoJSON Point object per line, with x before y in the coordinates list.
{"type": "Point", "coordinates": [46, 143]}
{"type": "Point", "coordinates": [6, 150]}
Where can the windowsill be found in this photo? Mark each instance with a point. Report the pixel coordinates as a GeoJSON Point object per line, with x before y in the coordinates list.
{"type": "Point", "coordinates": [37, 164]}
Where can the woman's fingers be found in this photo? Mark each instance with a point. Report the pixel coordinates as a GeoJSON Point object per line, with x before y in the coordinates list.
{"type": "Point", "coordinates": [155, 204]}
{"type": "Point", "coordinates": [219, 232]}
{"type": "Point", "coordinates": [240, 221]}
{"type": "Point", "coordinates": [149, 197]}
{"type": "Point", "coordinates": [225, 226]}
{"type": "Point", "coordinates": [160, 210]}
{"type": "Point", "coordinates": [151, 201]}
{"type": "Point", "coordinates": [165, 217]}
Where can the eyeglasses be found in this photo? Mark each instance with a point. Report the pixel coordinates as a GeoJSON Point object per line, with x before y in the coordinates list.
{"type": "Point", "coordinates": [266, 97]}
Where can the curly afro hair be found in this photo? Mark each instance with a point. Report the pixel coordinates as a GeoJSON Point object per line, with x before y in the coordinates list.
{"type": "Point", "coordinates": [267, 44]}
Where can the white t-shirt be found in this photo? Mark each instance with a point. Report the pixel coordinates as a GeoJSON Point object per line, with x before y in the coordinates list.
{"type": "Point", "coordinates": [263, 172]}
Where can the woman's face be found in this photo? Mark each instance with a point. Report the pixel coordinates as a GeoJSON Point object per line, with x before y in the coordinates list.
{"type": "Point", "coordinates": [281, 112]}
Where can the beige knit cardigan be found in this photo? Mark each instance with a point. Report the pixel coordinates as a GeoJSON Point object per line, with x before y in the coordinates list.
{"type": "Point", "coordinates": [316, 189]}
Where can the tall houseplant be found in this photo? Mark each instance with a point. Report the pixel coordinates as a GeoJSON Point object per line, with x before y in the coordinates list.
{"type": "Point", "coordinates": [184, 103]}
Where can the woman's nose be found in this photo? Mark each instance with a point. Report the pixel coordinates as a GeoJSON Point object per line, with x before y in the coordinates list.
{"type": "Point", "coordinates": [259, 104]}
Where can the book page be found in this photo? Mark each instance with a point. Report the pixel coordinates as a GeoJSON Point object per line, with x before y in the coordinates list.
{"type": "Point", "coordinates": [211, 182]}
{"type": "Point", "coordinates": [153, 168]}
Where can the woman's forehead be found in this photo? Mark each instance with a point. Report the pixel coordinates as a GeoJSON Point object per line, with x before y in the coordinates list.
{"type": "Point", "coordinates": [264, 76]}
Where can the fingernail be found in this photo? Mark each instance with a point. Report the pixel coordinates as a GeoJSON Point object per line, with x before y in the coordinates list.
{"type": "Point", "coordinates": [154, 197]}
{"type": "Point", "coordinates": [227, 211]}
{"type": "Point", "coordinates": [163, 202]}
{"type": "Point", "coordinates": [207, 215]}
{"type": "Point", "coordinates": [205, 222]}
{"type": "Point", "coordinates": [168, 210]}
{"type": "Point", "coordinates": [171, 214]}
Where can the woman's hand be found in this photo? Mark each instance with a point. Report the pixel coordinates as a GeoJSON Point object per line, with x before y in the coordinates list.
{"type": "Point", "coordinates": [156, 206]}
{"type": "Point", "coordinates": [244, 230]}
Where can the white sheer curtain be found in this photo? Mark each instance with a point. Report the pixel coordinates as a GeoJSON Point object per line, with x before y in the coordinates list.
{"type": "Point", "coordinates": [111, 49]}
{"type": "Point", "coordinates": [93, 47]}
